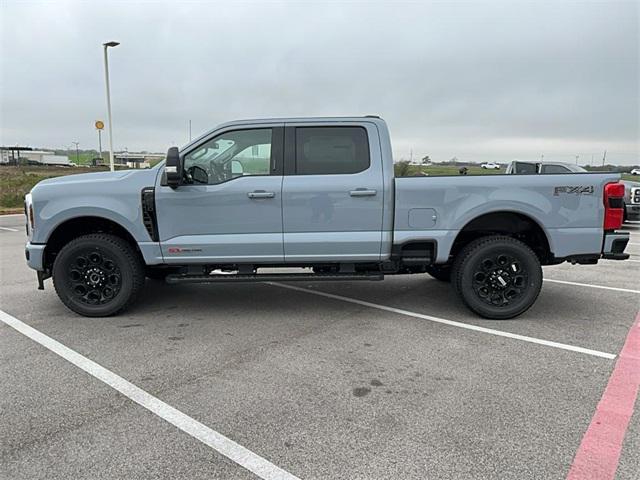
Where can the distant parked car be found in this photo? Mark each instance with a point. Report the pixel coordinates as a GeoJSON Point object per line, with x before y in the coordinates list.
{"type": "Point", "coordinates": [490, 166]}
{"type": "Point", "coordinates": [518, 167]}
{"type": "Point", "coordinates": [635, 171]}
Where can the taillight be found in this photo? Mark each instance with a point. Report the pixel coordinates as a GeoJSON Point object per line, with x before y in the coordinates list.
{"type": "Point", "coordinates": [613, 205]}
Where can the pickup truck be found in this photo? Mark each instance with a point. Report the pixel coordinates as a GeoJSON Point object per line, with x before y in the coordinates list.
{"type": "Point", "coordinates": [252, 199]}
{"type": "Point", "coordinates": [631, 201]}
{"type": "Point", "coordinates": [518, 167]}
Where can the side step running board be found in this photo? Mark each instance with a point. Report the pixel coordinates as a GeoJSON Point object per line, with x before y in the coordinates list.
{"type": "Point", "coordinates": [272, 277]}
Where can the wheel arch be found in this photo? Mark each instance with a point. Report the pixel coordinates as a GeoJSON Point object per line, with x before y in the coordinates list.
{"type": "Point", "coordinates": [75, 227]}
{"type": "Point", "coordinates": [509, 223]}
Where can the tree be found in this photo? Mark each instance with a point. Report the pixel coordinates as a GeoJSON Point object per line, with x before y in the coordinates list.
{"type": "Point", "coordinates": [426, 160]}
{"type": "Point", "coordinates": [402, 168]}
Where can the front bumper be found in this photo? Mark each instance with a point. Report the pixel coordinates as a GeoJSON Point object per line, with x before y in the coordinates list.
{"type": "Point", "coordinates": [633, 212]}
{"type": "Point", "coordinates": [35, 256]}
{"type": "Point", "coordinates": [614, 245]}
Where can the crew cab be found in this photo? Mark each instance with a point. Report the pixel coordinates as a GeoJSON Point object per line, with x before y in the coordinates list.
{"type": "Point", "coordinates": [252, 199]}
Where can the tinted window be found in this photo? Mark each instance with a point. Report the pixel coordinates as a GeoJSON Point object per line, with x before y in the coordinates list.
{"type": "Point", "coordinates": [230, 155]}
{"type": "Point", "coordinates": [555, 169]}
{"type": "Point", "coordinates": [331, 150]}
{"type": "Point", "coordinates": [526, 168]}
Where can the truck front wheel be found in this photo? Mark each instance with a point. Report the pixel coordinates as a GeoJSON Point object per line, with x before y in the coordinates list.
{"type": "Point", "coordinates": [497, 277]}
{"type": "Point", "coordinates": [97, 275]}
{"type": "Point", "coordinates": [440, 272]}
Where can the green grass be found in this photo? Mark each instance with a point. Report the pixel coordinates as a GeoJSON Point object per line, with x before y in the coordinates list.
{"type": "Point", "coordinates": [15, 182]}
{"type": "Point", "coordinates": [441, 170]}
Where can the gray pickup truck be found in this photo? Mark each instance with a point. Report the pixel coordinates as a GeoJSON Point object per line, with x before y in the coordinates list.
{"type": "Point", "coordinates": [251, 199]}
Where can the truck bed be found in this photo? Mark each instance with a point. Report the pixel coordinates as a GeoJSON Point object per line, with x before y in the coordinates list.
{"type": "Point", "coordinates": [437, 208]}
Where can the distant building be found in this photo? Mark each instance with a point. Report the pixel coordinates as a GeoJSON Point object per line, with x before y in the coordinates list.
{"type": "Point", "coordinates": [26, 155]}
{"type": "Point", "coordinates": [137, 160]}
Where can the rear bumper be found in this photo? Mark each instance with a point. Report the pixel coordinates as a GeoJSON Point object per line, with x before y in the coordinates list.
{"type": "Point", "coordinates": [35, 256]}
{"type": "Point", "coordinates": [614, 245]}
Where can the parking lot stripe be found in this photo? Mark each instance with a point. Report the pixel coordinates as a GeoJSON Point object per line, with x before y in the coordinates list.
{"type": "Point", "coordinates": [617, 289]}
{"type": "Point", "coordinates": [599, 451]}
{"type": "Point", "coordinates": [227, 447]}
{"type": "Point", "coordinates": [9, 229]}
{"type": "Point", "coordinates": [452, 323]}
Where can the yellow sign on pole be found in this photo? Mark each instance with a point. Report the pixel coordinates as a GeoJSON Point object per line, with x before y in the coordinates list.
{"type": "Point", "coordinates": [99, 124]}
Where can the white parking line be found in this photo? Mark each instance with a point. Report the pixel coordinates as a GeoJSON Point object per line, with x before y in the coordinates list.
{"type": "Point", "coordinates": [9, 229]}
{"type": "Point", "coordinates": [452, 323]}
{"type": "Point", "coordinates": [227, 447]}
{"type": "Point", "coordinates": [617, 289]}
{"type": "Point", "coordinates": [13, 215]}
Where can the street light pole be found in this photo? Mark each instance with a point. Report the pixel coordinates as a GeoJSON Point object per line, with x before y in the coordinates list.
{"type": "Point", "coordinates": [106, 79]}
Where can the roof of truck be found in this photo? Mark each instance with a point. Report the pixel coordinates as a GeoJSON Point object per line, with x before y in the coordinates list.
{"type": "Point", "coordinates": [301, 120]}
{"type": "Point", "coordinates": [253, 121]}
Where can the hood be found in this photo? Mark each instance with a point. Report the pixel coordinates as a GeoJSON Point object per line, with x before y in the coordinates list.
{"type": "Point", "coordinates": [89, 177]}
{"type": "Point", "coordinates": [98, 181]}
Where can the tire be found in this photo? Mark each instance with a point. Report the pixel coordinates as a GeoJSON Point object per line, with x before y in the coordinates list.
{"type": "Point", "coordinates": [440, 272]}
{"type": "Point", "coordinates": [98, 275]}
{"type": "Point", "coordinates": [497, 277]}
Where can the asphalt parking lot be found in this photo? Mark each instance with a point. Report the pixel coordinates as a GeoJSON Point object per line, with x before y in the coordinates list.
{"type": "Point", "coordinates": [346, 380]}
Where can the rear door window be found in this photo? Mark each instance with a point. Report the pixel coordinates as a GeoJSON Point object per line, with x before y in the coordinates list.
{"type": "Point", "coordinates": [331, 150]}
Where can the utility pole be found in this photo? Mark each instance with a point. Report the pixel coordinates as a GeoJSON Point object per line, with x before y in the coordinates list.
{"type": "Point", "coordinates": [106, 79]}
{"type": "Point", "coordinates": [542, 158]}
{"type": "Point", "coordinates": [77, 153]}
{"type": "Point", "coordinates": [577, 159]}
{"type": "Point", "coordinates": [604, 157]}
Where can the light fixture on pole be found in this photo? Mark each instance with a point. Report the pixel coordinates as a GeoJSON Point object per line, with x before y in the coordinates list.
{"type": "Point", "coordinates": [106, 79]}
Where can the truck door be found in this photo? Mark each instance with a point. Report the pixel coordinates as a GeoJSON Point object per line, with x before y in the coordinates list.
{"type": "Point", "coordinates": [229, 208]}
{"type": "Point", "coordinates": [332, 193]}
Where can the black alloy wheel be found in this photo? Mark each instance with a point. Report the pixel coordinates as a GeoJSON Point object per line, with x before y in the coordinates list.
{"type": "Point", "coordinates": [98, 275]}
{"type": "Point", "coordinates": [497, 277]}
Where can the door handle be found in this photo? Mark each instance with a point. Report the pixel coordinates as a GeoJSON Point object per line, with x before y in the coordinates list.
{"type": "Point", "coordinates": [261, 194]}
{"type": "Point", "coordinates": [362, 192]}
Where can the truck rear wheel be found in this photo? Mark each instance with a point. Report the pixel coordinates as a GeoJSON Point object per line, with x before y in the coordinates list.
{"type": "Point", "coordinates": [97, 275]}
{"type": "Point", "coordinates": [497, 277]}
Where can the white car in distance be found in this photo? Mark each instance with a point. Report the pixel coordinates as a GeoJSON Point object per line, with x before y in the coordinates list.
{"type": "Point", "coordinates": [490, 166]}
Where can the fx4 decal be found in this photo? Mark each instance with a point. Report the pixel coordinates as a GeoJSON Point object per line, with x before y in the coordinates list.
{"type": "Point", "coordinates": [574, 190]}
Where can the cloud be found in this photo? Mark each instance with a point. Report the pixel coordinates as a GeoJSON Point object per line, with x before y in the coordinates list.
{"type": "Point", "coordinates": [477, 80]}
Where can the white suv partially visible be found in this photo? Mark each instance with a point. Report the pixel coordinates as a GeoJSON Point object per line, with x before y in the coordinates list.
{"type": "Point", "coordinates": [635, 171]}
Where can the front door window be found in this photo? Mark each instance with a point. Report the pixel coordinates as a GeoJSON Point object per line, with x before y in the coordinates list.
{"type": "Point", "coordinates": [230, 155]}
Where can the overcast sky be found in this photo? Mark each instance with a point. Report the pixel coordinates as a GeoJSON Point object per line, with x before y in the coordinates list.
{"type": "Point", "coordinates": [490, 80]}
